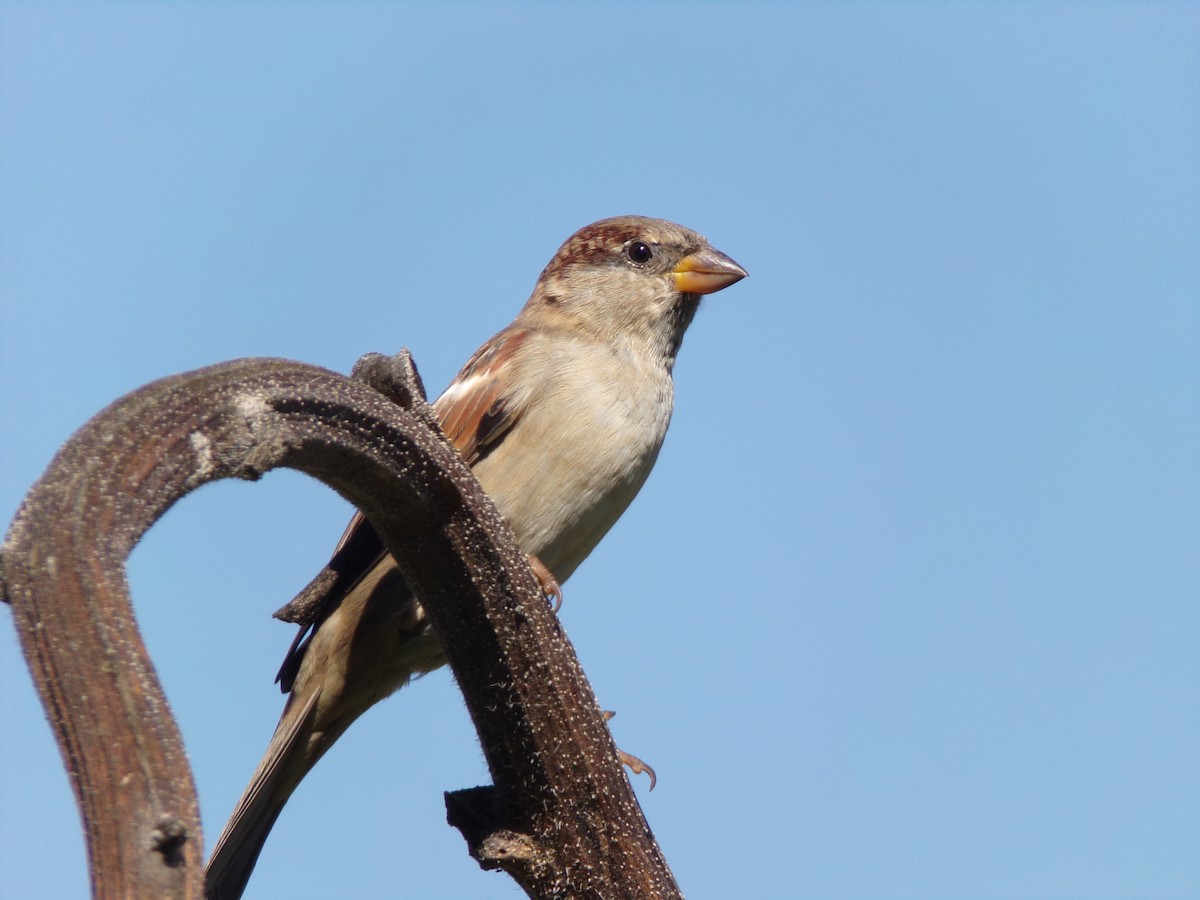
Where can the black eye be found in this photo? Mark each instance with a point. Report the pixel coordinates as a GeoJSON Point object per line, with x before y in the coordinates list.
{"type": "Point", "coordinates": [639, 252]}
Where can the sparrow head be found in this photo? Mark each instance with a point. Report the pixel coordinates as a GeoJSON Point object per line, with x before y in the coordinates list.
{"type": "Point", "coordinates": [631, 278]}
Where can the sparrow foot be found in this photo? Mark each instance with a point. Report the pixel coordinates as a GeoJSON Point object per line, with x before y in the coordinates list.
{"type": "Point", "coordinates": [635, 765]}
{"type": "Point", "coordinates": [547, 582]}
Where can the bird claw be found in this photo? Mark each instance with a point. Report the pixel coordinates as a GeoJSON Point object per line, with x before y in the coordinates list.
{"type": "Point", "coordinates": [635, 765]}
{"type": "Point", "coordinates": [548, 583]}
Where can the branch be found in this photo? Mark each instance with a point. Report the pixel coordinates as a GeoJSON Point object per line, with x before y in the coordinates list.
{"type": "Point", "coordinates": [561, 818]}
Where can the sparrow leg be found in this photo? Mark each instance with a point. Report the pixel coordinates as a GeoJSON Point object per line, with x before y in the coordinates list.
{"type": "Point", "coordinates": [635, 765]}
{"type": "Point", "coordinates": [547, 581]}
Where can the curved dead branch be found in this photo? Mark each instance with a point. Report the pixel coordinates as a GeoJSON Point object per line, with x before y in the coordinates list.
{"type": "Point", "coordinates": [561, 817]}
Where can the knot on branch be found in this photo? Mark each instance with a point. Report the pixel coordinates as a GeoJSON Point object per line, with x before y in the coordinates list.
{"type": "Point", "coordinates": [168, 838]}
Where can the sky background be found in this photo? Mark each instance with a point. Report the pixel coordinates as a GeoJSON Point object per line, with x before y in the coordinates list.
{"type": "Point", "coordinates": [908, 608]}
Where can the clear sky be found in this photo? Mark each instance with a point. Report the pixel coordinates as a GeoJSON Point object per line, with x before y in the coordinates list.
{"type": "Point", "coordinates": [908, 609]}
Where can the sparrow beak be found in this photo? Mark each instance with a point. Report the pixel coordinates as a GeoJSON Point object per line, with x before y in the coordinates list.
{"type": "Point", "coordinates": [706, 271]}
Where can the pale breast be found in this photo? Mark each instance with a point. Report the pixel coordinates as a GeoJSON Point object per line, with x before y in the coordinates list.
{"type": "Point", "coordinates": [580, 452]}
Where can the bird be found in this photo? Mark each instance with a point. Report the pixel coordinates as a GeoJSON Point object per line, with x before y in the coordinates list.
{"type": "Point", "coordinates": [561, 416]}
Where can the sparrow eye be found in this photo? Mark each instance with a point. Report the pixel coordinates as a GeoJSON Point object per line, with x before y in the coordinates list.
{"type": "Point", "coordinates": [639, 252]}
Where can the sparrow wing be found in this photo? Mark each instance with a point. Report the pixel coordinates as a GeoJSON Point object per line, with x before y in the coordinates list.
{"type": "Point", "coordinates": [478, 408]}
{"type": "Point", "coordinates": [356, 552]}
{"type": "Point", "coordinates": [476, 412]}
{"type": "Point", "coordinates": [359, 552]}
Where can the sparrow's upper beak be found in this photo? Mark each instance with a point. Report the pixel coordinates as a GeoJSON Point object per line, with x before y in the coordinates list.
{"type": "Point", "coordinates": [706, 271]}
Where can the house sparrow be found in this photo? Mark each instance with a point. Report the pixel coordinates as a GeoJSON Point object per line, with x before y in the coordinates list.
{"type": "Point", "coordinates": [561, 416]}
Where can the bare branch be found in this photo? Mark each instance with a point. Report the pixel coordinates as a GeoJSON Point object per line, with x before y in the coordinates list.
{"type": "Point", "coordinates": [561, 818]}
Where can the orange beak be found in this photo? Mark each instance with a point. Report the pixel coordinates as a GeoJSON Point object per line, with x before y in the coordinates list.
{"type": "Point", "coordinates": [706, 271]}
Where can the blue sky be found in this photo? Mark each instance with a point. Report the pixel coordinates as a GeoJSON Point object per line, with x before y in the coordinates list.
{"type": "Point", "coordinates": [908, 608]}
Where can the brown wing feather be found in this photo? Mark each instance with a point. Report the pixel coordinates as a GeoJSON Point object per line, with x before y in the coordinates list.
{"type": "Point", "coordinates": [476, 411]}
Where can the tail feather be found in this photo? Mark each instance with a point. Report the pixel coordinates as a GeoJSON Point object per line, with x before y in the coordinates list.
{"type": "Point", "coordinates": [282, 767]}
{"type": "Point", "coordinates": [362, 647]}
